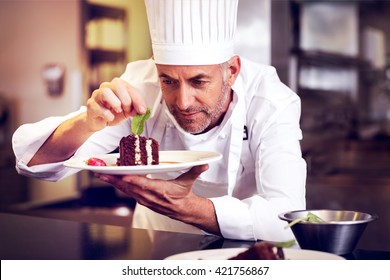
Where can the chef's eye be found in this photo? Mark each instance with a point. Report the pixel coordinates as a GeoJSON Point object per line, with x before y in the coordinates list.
{"type": "Point", "coordinates": [198, 83]}
{"type": "Point", "coordinates": [167, 82]}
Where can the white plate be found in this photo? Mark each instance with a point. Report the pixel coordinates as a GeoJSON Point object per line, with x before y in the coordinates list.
{"type": "Point", "coordinates": [224, 254]}
{"type": "Point", "coordinates": [169, 161]}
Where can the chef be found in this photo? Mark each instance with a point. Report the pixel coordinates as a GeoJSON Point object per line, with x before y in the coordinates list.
{"type": "Point", "coordinates": [203, 97]}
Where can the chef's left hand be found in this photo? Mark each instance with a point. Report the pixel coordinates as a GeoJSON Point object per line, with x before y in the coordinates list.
{"type": "Point", "coordinates": [172, 198]}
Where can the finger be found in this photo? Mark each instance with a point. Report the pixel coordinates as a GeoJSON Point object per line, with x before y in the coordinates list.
{"type": "Point", "coordinates": [142, 181]}
{"type": "Point", "coordinates": [139, 193]}
{"type": "Point", "coordinates": [132, 102]}
{"type": "Point", "coordinates": [138, 103]}
{"type": "Point", "coordinates": [125, 99]}
{"type": "Point", "coordinates": [107, 114]}
{"type": "Point", "coordinates": [118, 183]}
{"type": "Point", "coordinates": [97, 111]}
{"type": "Point", "coordinates": [148, 192]}
{"type": "Point", "coordinates": [108, 99]}
{"type": "Point", "coordinates": [111, 179]}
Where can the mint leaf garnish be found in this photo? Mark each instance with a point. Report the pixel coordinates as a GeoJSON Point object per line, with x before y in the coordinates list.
{"type": "Point", "coordinates": [138, 122]}
{"type": "Point", "coordinates": [285, 244]}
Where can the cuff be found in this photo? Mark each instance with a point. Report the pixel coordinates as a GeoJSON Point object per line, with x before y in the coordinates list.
{"type": "Point", "coordinates": [234, 218]}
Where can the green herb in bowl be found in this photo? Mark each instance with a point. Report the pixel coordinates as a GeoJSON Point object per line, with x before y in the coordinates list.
{"type": "Point", "coordinates": [310, 218]}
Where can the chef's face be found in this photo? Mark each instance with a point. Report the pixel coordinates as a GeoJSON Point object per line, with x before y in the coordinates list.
{"type": "Point", "coordinates": [198, 96]}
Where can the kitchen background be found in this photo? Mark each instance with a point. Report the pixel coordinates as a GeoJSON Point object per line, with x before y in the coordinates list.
{"type": "Point", "coordinates": [334, 54]}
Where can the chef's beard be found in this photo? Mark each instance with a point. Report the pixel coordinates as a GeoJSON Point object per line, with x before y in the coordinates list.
{"type": "Point", "coordinates": [208, 115]}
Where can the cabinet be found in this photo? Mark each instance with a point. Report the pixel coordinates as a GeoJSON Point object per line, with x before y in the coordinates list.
{"type": "Point", "coordinates": [327, 72]}
{"type": "Point", "coordinates": [330, 86]}
{"type": "Point", "coordinates": [325, 47]}
{"type": "Point", "coordinates": [105, 38]}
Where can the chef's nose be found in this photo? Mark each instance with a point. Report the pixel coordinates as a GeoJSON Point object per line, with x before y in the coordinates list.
{"type": "Point", "coordinates": [184, 98]}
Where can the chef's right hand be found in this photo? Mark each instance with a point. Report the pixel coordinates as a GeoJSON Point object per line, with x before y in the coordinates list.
{"type": "Point", "coordinates": [113, 103]}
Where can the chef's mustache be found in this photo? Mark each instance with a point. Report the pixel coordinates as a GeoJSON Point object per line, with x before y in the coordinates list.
{"type": "Point", "coordinates": [192, 109]}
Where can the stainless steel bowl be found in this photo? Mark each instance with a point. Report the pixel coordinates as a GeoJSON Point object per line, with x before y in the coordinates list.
{"type": "Point", "coordinates": [339, 234]}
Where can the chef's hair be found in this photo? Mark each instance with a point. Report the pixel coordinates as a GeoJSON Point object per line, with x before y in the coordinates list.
{"type": "Point", "coordinates": [224, 66]}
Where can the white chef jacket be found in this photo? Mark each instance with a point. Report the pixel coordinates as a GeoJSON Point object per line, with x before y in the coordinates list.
{"type": "Point", "coordinates": [261, 175]}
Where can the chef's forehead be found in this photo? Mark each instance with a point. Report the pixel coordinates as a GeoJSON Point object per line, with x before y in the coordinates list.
{"type": "Point", "coordinates": [166, 70]}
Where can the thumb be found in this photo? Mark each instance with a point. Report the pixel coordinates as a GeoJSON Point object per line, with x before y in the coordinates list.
{"type": "Point", "coordinates": [192, 174]}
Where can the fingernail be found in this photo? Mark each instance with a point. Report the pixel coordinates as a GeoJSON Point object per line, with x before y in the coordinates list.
{"type": "Point", "coordinates": [142, 109]}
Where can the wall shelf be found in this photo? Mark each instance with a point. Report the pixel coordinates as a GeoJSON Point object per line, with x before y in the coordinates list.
{"type": "Point", "coordinates": [105, 31]}
{"type": "Point", "coordinates": [99, 11]}
{"type": "Point", "coordinates": [97, 56]}
{"type": "Point", "coordinates": [328, 60]}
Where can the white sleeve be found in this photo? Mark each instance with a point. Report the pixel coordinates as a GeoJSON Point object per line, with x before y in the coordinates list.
{"type": "Point", "coordinates": [26, 141]}
{"type": "Point", "coordinates": [254, 218]}
{"type": "Point", "coordinates": [280, 183]}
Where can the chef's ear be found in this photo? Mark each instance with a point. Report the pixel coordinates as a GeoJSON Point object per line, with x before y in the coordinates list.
{"type": "Point", "coordinates": [234, 69]}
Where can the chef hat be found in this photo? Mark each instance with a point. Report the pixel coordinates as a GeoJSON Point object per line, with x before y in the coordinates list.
{"type": "Point", "coordinates": [192, 32]}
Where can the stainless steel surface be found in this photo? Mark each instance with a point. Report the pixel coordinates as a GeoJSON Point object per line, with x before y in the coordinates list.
{"type": "Point", "coordinates": [339, 234]}
{"type": "Point", "coordinates": [36, 238]}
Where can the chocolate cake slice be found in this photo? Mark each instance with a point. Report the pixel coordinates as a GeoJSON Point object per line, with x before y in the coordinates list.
{"type": "Point", "coordinates": [261, 251]}
{"type": "Point", "coordinates": [138, 150]}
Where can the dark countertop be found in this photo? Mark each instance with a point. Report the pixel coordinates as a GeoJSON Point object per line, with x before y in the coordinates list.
{"type": "Point", "coordinates": [27, 237]}
{"type": "Point", "coordinates": [31, 238]}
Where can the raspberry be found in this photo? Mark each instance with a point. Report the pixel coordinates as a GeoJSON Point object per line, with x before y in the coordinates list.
{"type": "Point", "coordinates": [96, 162]}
